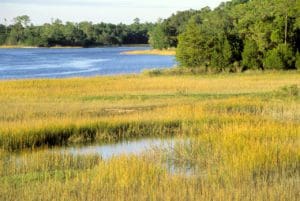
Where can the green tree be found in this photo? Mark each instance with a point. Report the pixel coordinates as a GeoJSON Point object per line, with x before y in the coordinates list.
{"type": "Point", "coordinates": [16, 35]}
{"type": "Point", "coordinates": [23, 20]}
{"type": "Point", "coordinates": [222, 55]}
{"type": "Point", "coordinates": [273, 60]}
{"type": "Point", "coordinates": [251, 56]}
{"type": "Point", "coordinates": [168, 30]}
{"type": "Point", "coordinates": [176, 25]}
{"type": "Point", "coordinates": [158, 38]}
{"type": "Point", "coordinates": [3, 34]}
{"type": "Point", "coordinates": [73, 34]}
{"type": "Point", "coordinates": [209, 40]}
{"type": "Point", "coordinates": [191, 46]}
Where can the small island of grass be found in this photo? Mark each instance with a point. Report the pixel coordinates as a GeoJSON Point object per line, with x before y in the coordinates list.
{"type": "Point", "coordinates": [164, 52]}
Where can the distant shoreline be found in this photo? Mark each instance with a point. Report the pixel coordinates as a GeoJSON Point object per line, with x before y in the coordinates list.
{"type": "Point", "coordinates": [69, 47]}
{"type": "Point", "coordinates": [164, 52]}
{"type": "Point", "coordinates": [34, 47]}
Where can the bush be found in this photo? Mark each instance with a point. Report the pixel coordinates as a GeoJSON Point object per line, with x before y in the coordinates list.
{"type": "Point", "coordinates": [153, 72]}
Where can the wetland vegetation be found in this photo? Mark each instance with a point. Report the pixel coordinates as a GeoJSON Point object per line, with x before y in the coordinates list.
{"type": "Point", "coordinates": [232, 136]}
{"type": "Point", "coordinates": [239, 137]}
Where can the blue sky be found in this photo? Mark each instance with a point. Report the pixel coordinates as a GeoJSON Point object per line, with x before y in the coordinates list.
{"type": "Point", "coordinates": [114, 11]}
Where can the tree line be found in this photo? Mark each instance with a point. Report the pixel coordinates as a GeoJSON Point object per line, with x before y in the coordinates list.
{"type": "Point", "coordinates": [235, 36]}
{"type": "Point", "coordinates": [23, 32]}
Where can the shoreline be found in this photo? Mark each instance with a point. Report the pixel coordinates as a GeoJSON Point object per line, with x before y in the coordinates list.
{"type": "Point", "coordinates": [34, 47]}
{"type": "Point", "coordinates": [67, 47]}
{"type": "Point", "coordinates": [164, 72]}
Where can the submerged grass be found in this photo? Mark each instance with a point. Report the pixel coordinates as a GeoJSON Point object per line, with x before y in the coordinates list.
{"type": "Point", "coordinates": [242, 131]}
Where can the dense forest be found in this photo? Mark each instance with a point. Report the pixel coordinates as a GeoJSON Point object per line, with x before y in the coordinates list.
{"type": "Point", "coordinates": [237, 35]}
{"type": "Point", "coordinates": [85, 34]}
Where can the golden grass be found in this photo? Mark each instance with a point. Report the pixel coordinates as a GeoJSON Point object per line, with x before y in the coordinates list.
{"type": "Point", "coordinates": [34, 111]}
{"type": "Point", "coordinates": [164, 52]}
{"type": "Point", "coordinates": [242, 136]}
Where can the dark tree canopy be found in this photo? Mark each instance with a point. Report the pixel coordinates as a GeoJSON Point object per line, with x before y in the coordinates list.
{"type": "Point", "coordinates": [237, 35]}
{"type": "Point", "coordinates": [86, 34]}
{"type": "Point", "coordinates": [257, 34]}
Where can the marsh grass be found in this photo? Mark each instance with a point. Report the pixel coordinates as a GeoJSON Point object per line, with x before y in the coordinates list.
{"type": "Point", "coordinates": [242, 136]}
{"type": "Point", "coordinates": [63, 134]}
{"type": "Point", "coordinates": [164, 52]}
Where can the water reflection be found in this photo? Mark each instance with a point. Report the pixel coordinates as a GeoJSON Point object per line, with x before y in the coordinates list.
{"type": "Point", "coordinates": [162, 148]}
{"type": "Point", "coordinates": [135, 147]}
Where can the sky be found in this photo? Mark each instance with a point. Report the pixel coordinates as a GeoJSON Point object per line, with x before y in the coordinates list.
{"type": "Point", "coordinates": [112, 11]}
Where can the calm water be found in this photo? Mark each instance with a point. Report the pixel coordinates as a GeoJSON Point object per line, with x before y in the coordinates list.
{"type": "Point", "coordinates": [81, 62]}
{"type": "Point", "coordinates": [135, 147]}
{"type": "Point", "coordinates": [132, 147]}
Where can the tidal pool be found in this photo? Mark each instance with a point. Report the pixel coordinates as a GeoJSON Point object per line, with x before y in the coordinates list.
{"type": "Point", "coordinates": [162, 146]}
{"type": "Point", "coordinates": [137, 147]}
{"type": "Point", "coordinates": [132, 147]}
